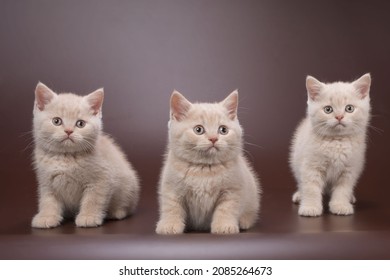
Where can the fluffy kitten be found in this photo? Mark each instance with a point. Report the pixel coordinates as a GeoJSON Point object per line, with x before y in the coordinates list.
{"type": "Point", "coordinates": [81, 171]}
{"type": "Point", "coordinates": [328, 148]}
{"type": "Point", "coordinates": [206, 182]}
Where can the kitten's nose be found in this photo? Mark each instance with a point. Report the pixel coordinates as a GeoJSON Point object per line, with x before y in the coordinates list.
{"type": "Point", "coordinates": [339, 117]}
{"type": "Point", "coordinates": [213, 139]}
{"type": "Point", "coordinates": [68, 131]}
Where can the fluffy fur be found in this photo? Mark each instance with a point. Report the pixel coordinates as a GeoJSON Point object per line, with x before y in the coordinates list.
{"type": "Point", "coordinates": [328, 148]}
{"type": "Point", "coordinates": [81, 172]}
{"type": "Point", "coordinates": [206, 183]}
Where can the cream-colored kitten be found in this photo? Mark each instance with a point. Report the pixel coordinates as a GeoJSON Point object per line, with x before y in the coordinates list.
{"type": "Point", "coordinates": [206, 182]}
{"type": "Point", "coordinates": [328, 148]}
{"type": "Point", "coordinates": [81, 171]}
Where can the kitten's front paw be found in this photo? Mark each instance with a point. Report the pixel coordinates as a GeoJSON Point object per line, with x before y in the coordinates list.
{"type": "Point", "coordinates": [224, 228]}
{"type": "Point", "coordinates": [46, 221]}
{"type": "Point", "coordinates": [89, 220]}
{"type": "Point", "coordinates": [169, 227]}
{"type": "Point", "coordinates": [310, 210]}
{"type": "Point", "coordinates": [339, 208]}
{"type": "Point", "coordinates": [296, 197]}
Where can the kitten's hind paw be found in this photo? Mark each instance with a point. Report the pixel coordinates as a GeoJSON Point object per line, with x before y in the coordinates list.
{"type": "Point", "coordinates": [169, 227]}
{"type": "Point", "coordinates": [225, 228]}
{"type": "Point", "coordinates": [338, 208]}
{"type": "Point", "coordinates": [89, 220]}
{"type": "Point", "coordinates": [296, 198]}
{"type": "Point", "coordinates": [46, 221]}
{"type": "Point", "coordinates": [118, 214]}
{"type": "Point", "coordinates": [310, 211]}
{"type": "Point", "coordinates": [247, 221]}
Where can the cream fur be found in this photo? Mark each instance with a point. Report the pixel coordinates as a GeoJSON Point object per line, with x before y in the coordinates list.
{"type": "Point", "coordinates": [328, 150]}
{"type": "Point", "coordinates": [89, 176]}
{"type": "Point", "coordinates": [204, 187]}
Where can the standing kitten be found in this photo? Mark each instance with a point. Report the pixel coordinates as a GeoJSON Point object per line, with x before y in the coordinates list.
{"type": "Point", "coordinates": [81, 171]}
{"type": "Point", "coordinates": [328, 148]}
{"type": "Point", "coordinates": [206, 182]}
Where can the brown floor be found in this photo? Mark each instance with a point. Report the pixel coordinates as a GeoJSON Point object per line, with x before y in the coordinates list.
{"type": "Point", "coordinates": [280, 233]}
{"type": "Point", "coordinates": [140, 51]}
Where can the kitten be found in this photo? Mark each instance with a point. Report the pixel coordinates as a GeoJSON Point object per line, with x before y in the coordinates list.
{"type": "Point", "coordinates": [328, 148]}
{"type": "Point", "coordinates": [206, 182]}
{"type": "Point", "coordinates": [81, 171]}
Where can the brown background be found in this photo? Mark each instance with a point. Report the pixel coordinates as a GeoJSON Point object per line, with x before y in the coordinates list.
{"type": "Point", "coordinates": [139, 51]}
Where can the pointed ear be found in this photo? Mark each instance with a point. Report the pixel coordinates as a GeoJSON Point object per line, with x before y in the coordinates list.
{"type": "Point", "coordinates": [43, 96]}
{"type": "Point", "coordinates": [179, 106]}
{"type": "Point", "coordinates": [362, 85]}
{"type": "Point", "coordinates": [231, 104]}
{"type": "Point", "coordinates": [313, 87]}
{"type": "Point", "coordinates": [95, 100]}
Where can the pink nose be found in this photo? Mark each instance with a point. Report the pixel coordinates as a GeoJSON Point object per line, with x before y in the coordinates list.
{"type": "Point", "coordinates": [340, 117]}
{"type": "Point", "coordinates": [68, 131]}
{"type": "Point", "coordinates": [213, 140]}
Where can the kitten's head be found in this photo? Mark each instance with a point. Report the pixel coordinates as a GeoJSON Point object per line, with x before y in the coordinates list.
{"type": "Point", "coordinates": [339, 109]}
{"type": "Point", "coordinates": [204, 133]}
{"type": "Point", "coordinates": [66, 123]}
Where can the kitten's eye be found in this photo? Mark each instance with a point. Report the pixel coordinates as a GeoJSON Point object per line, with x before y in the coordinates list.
{"type": "Point", "coordinates": [223, 130]}
{"type": "Point", "coordinates": [56, 121]}
{"type": "Point", "coordinates": [199, 130]}
{"type": "Point", "coordinates": [349, 108]}
{"type": "Point", "coordinates": [328, 109]}
{"type": "Point", "coordinates": [80, 123]}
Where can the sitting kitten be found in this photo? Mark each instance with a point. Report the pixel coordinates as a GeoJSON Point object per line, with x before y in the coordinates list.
{"type": "Point", "coordinates": [206, 182]}
{"type": "Point", "coordinates": [328, 148]}
{"type": "Point", "coordinates": [80, 170]}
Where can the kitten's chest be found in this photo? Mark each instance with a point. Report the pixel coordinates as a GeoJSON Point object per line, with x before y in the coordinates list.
{"type": "Point", "coordinates": [200, 201]}
{"type": "Point", "coordinates": [64, 172]}
{"type": "Point", "coordinates": [202, 178]}
{"type": "Point", "coordinates": [336, 150]}
{"type": "Point", "coordinates": [66, 176]}
{"type": "Point", "coordinates": [202, 190]}
{"type": "Point", "coordinates": [338, 155]}
{"type": "Point", "coordinates": [64, 165]}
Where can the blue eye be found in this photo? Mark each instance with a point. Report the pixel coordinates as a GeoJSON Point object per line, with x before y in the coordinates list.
{"type": "Point", "coordinates": [349, 108]}
{"type": "Point", "coordinates": [56, 121]}
{"type": "Point", "coordinates": [223, 130]}
{"type": "Point", "coordinates": [328, 109]}
{"type": "Point", "coordinates": [199, 130]}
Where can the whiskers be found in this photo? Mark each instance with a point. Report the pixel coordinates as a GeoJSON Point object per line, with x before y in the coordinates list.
{"type": "Point", "coordinates": [362, 129]}
{"type": "Point", "coordinates": [376, 129]}
{"type": "Point", "coordinates": [78, 143]}
{"type": "Point", "coordinates": [357, 127]}
{"type": "Point", "coordinates": [321, 128]}
{"type": "Point", "coordinates": [86, 144]}
{"type": "Point", "coordinates": [48, 142]}
{"type": "Point", "coordinates": [253, 145]}
{"type": "Point", "coordinates": [28, 135]}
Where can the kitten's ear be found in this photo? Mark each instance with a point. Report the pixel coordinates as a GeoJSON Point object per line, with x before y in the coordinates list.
{"type": "Point", "coordinates": [231, 104]}
{"type": "Point", "coordinates": [43, 96]}
{"type": "Point", "coordinates": [313, 87]}
{"type": "Point", "coordinates": [179, 106]}
{"type": "Point", "coordinates": [95, 100]}
{"type": "Point", "coordinates": [362, 85]}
